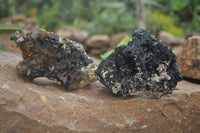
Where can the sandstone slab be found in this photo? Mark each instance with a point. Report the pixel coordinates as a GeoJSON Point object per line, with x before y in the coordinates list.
{"type": "Point", "coordinates": [189, 60]}
{"type": "Point", "coordinates": [45, 107]}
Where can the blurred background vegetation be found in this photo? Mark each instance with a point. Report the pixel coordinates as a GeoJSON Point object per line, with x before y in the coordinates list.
{"type": "Point", "coordinates": [108, 16]}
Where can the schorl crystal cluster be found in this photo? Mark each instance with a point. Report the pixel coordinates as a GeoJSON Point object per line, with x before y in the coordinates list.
{"type": "Point", "coordinates": [145, 66]}
{"type": "Point", "coordinates": [45, 54]}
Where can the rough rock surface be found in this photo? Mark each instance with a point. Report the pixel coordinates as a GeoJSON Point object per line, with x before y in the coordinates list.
{"type": "Point", "coordinates": [145, 66]}
{"type": "Point", "coordinates": [189, 59]}
{"type": "Point", "coordinates": [46, 54]}
{"type": "Point", "coordinates": [44, 107]}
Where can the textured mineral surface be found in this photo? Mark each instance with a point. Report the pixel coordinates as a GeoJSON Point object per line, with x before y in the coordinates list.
{"type": "Point", "coordinates": [45, 54]}
{"type": "Point", "coordinates": [146, 66]}
{"type": "Point", "coordinates": [189, 59]}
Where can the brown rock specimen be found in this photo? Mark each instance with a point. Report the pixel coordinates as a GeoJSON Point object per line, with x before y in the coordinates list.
{"type": "Point", "coordinates": [171, 40]}
{"type": "Point", "coordinates": [47, 55]}
{"type": "Point", "coordinates": [45, 108]}
{"type": "Point", "coordinates": [189, 59]}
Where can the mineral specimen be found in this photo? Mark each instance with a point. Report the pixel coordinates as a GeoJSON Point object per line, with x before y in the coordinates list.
{"type": "Point", "coordinates": [46, 54]}
{"type": "Point", "coordinates": [189, 59]}
{"type": "Point", "coordinates": [146, 66]}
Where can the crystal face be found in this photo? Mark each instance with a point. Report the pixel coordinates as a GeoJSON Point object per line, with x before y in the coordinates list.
{"type": "Point", "coordinates": [45, 54]}
{"type": "Point", "coordinates": [146, 66]}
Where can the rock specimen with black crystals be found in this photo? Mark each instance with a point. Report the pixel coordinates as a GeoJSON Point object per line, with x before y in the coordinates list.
{"type": "Point", "coordinates": [45, 54]}
{"type": "Point", "coordinates": [146, 66]}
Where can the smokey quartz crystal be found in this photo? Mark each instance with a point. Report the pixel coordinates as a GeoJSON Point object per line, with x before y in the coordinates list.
{"type": "Point", "coordinates": [146, 66]}
{"type": "Point", "coordinates": [45, 54]}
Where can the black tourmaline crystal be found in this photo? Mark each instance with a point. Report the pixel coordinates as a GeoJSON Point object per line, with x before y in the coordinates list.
{"type": "Point", "coordinates": [146, 66]}
{"type": "Point", "coordinates": [45, 54]}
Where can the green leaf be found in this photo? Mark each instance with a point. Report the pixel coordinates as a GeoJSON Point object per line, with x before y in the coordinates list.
{"type": "Point", "coordinates": [9, 28]}
{"type": "Point", "coordinates": [178, 5]}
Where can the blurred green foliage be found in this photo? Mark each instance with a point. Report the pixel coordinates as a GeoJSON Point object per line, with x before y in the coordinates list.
{"type": "Point", "coordinates": [9, 28]}
{"type": "Point", "coordinates": [166, 22]}
{"type": "Point", "coordinates": [186, 13]}
{"type": "Point", "coordinates": [108, 21]}
{"type": "Point", "coordinates": [108, 16]}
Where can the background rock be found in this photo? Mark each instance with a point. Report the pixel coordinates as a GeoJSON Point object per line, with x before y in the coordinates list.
{"type": "Point", "coordinates": [95, 52]}
{"type": "Point", "coordinates": [170, 40]}
{"type": "Point", "coordinates": [66, 32]}
{"type": "Point", "coordinates": [26, 23]}
{"type": "Point", "coordinates": [97, 41]}
{"type": "Point", "coordinates": [117, 38]}
{"type": "Point", "coordinates": [189, 59]}
{"type": "Point", "coordinates": [79, 35]}
{"type": "Point", "coordinates": [97, 45]}
{"type": "Point", "coordinates": [73, 33]}
{"type": "Point", "coordinates": [43, 106]}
